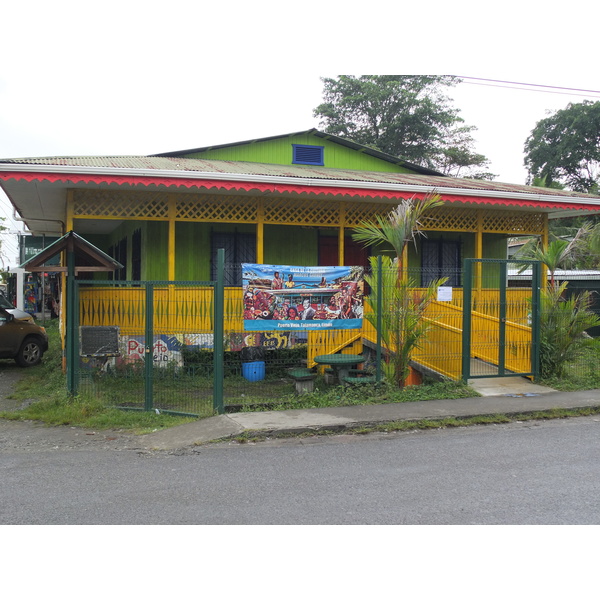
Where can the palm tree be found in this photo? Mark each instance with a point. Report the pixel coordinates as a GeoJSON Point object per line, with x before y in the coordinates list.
{"type": "Point", "coordinates": [400, 227]}
{"type": "Point", "coordinates": [401, 325]}
{"type": "Point", "coordinates": [560, 252]}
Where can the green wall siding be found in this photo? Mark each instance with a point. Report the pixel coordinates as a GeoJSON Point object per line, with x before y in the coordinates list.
{"type": "Point", "coordinates": [283, 245]}
{"type": "Point", "coordinates": [279, 152]}
{"type": "Point", "coordinates": [292, 245]}
{"type": "Point", "coordinates": [287, 245]}
{"type": "Point", "coordinates": [192, 251]}
{"type": "Point", "coordinates": [155, 248]}
{"type": "Point", "coordinates": [495, 245]}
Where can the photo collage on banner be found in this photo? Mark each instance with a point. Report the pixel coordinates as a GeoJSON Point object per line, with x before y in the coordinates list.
{"type": "Point", "coordinates": [284, 297]}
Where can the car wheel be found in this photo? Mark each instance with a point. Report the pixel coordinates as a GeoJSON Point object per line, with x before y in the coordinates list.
{"type": "Point", "coordinates": [30, 353]}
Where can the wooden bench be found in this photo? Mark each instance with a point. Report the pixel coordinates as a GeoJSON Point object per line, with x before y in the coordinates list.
{"type": "Point", "coordinates": [303, 378]}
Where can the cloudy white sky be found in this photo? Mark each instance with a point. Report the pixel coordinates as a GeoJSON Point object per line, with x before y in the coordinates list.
{"type": "Point", "coordinates": [133, 77]}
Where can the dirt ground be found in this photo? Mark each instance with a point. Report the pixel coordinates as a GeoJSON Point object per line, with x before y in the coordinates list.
{"type": "Point", "coordinates": [31, 436]}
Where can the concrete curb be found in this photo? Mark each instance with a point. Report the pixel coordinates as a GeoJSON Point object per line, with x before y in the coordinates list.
{"type": "Point", "coordinates": [340, 418]}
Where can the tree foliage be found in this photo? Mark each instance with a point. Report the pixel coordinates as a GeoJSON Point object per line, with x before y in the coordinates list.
{"type": "Point", "coordinates": [563, 325]}
{"type": "Point", "coordinates": [400, 227]}
{"type": "Point", "coordinates": [564, 148]}
{"type": "Point", "coordinates": [564, 317]}
{"type": "Point", "coordinates": [408, 116]}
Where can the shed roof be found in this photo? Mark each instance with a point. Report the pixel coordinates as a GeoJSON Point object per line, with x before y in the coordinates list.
{"type": "Point", "coordinates": [87, 256]}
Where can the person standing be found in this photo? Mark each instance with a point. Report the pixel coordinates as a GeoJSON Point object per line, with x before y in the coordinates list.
{"type": "Point", "coordinates": [277, 283]}
{"type": "Point", "coordinates": [308, 312]}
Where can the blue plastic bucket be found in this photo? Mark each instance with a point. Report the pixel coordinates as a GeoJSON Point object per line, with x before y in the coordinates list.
{"type": "Point", "coordinates": [253, 371]}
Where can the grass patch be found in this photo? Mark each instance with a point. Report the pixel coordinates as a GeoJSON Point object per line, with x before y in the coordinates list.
{"type": "Point", "coordinates": [47, 381]}
{"type": "Point", "coordinates": [326, 396]}
{"type": "Point", "coordinates": [582, 374]}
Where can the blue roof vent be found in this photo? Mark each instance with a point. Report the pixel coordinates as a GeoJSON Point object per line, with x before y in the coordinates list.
{"type": "Point", "coordinates": [307, 155]}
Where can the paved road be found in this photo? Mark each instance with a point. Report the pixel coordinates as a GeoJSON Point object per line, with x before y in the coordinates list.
{"type": "Point", "coordinates": [523, 473]}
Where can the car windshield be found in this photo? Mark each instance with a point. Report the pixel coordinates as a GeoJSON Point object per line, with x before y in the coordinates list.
{"type": "Point", "coordinates": [4, 303]}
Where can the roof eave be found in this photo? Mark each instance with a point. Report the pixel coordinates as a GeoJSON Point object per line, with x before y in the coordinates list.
{"type": "Point", "coordinates": [299, 181]}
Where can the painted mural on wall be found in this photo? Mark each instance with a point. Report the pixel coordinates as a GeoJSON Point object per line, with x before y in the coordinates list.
{"type": "Point", "coordinates": [285, 297]}
{"type": "Point", "coordinates": [166, 350]}
{"type": "Point", "coordinates": [271, 340]}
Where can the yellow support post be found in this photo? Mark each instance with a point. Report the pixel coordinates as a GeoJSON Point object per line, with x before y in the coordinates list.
{"type": "Point", "coordinates": [171, 244]}
{"type": "Point", "coordinates": [341, 234]}
{"type": "Point", "coordinates": [478, 250]}
{"type": "Point", "coordinates": [478, 254]}
{"type": "Point", "coordinates": [260, 232]}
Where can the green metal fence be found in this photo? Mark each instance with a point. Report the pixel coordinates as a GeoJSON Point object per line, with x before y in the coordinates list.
{"type": "Point", "coordinates": [180, 347]}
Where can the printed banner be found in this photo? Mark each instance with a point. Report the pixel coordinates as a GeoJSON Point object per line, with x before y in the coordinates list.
{"type": "Point", "coordinates": [284, 297]}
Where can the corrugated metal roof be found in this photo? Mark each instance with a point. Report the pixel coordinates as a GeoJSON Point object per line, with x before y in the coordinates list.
{"type": "Point", "coordinates": [200, 166]}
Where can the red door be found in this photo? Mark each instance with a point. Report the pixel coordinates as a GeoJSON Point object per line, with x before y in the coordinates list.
{"type": "Point", "coordinates": [354, 254]}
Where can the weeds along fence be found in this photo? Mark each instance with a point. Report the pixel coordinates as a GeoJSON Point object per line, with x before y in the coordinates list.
{"type": "Point", "coordinates": [181, 347]}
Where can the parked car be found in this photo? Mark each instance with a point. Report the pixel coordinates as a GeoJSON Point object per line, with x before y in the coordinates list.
{"type": "Point", "coordinates": [20, 315]}
{"type": "Point", "coordinates": [24, 342]}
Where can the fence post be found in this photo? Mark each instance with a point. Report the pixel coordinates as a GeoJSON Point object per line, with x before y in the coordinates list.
{"type": "Point", "coordinates": [149, 347]}
{"type": "Point", "coordinates": [218, 332]}
{"type": "Point", "coordinates": [379, 319]}
{"type": "Point", "coordinates": [466, 336]}
{"type": "Point", "coordinates": [71, 333]}
{"type": "Point", "coordinates": [536, 283]}
{"type": "Point", "coordinates": [502, 320]}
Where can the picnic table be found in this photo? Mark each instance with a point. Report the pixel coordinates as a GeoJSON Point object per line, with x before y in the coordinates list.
{"type": "Point", "coordinates": [340, 363]}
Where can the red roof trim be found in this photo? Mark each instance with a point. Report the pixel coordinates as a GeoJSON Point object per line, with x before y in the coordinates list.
{"type": "Point", "coordinates": [282, 188]}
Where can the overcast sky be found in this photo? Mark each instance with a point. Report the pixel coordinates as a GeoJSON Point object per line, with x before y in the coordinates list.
{"type": "Point", "coordinates": [135, 77]}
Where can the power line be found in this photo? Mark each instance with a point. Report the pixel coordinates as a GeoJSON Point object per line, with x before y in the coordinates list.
{"type": "Point", "coordinates": [506, 87]}
{"type": "Point", "coordinates": [553, 87]}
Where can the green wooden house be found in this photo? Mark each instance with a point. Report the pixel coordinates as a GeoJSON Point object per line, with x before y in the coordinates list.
{"type": "Point", "coordinates": [286, 199]}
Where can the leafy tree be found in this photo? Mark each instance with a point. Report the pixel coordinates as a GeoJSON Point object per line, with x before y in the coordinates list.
{"type": "Point", "coordinates": [564, 148]}
{"type": "Point", "coordinates": [408, 116]}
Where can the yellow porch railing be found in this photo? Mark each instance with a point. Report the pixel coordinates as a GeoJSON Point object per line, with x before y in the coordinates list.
{"type": "Point", "coordinates": [189, 309]}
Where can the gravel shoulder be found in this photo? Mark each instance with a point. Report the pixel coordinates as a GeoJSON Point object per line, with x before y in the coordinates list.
{"type": "Point", "coordinates": [32, 436]}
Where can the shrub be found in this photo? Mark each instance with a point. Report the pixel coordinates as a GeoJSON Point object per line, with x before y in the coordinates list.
{"type": "Point", "coordinates": [563, 325]}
